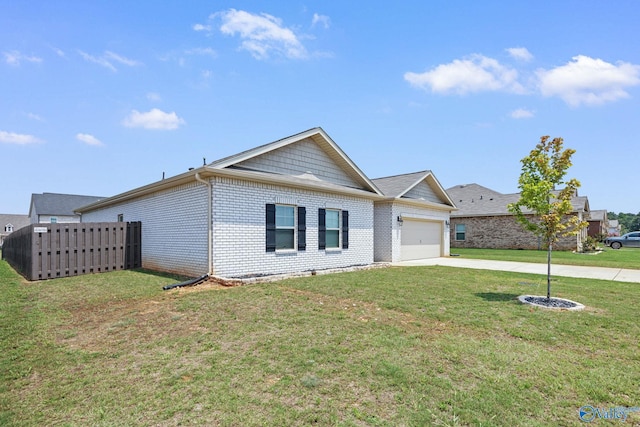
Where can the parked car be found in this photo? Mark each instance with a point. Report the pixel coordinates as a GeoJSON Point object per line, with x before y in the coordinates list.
{"type": "Point", "coordinates": [631, 240]}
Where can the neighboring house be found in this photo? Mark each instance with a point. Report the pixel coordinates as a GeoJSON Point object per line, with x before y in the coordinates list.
{"type": "Point", "coordinates": [413, 223]}
{"type": "Point", "coordinates": [483, 221]}
{"type": "Point", "coordinates": [598, 223]}
{"type": "Point", "coordinates": [297, 204]}
{"type": "Point", "coordinates": [613, 229]}
{"type": "Point", "coordinates": [10, 223]}
{"type": "Point", "coordinates": [57, 208]}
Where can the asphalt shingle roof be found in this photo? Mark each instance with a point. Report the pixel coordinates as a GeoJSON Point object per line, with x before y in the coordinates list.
{"type": "Point", "coordinates": [476, 200]}
{"type": "Point", "coordinates": [18, 221]}
{"type": "Point", "coordinates": [394, 186]}
{"type": "Point", "coordinates": [60, 204]}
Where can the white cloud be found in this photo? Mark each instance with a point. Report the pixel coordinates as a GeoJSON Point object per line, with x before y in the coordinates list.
{"type": "Point", "coordinates": [321, 19]}
{"type": "Point", "coordinates": [261, 34]}
{"type": "Point", "coordinates": [200, 27]}
{"type": "Point", "coordinates": [89, 139]}
{"type": "Point", "coordinates": [520, 53]}
{"type": "Point", "coordinates": [59, 52]}
{"type": "Point", "coordinates": [107, 59]}
{"type": "Point", "coordinates": [18, 138]}
{"type": "Point", "coordinates": [476, 73]}
{"type": "Point", "coordinates": [121, 59]}
{"type": "Point", "coordinates": [155, 97]}
{"type": "Point", "coordinates": [97, 60]}
{"type": "Point", "coordinates": [15, 58]}
{"type": "Point", "coordinates": [154, 119]}
{"type": "Point", "coordinates": [205, 51]}
{"type": "Point", "coordinates": [34, 116]}
{"type": "Point", "coordinates": [589, 81]}
{"type": "Point", "coordinates": [522, 113]}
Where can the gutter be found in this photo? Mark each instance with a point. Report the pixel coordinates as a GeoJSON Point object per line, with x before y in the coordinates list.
{"type": "Point", "coordinates": [209, 221]}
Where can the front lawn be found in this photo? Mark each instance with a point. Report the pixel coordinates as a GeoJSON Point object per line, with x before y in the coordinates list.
{"type": "Point", "coordinates": [407, 346]}
{"type": "Point", "coordinates": [620, 258]}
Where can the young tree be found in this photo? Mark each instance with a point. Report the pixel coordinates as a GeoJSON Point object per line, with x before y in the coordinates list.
{"type": "Point", "coordinates": [543, 171]}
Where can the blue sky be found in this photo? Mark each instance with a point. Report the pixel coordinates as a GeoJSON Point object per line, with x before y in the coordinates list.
{"type": "Point", "coordinates": [97, 98]}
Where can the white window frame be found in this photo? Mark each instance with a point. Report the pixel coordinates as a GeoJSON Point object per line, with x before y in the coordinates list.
{"type": "Point", "coordinates": [292, 227]}
{"type": "Point", "coordinates": [463, 232]}
{"type": "Point", "coordinates": [337, 229]}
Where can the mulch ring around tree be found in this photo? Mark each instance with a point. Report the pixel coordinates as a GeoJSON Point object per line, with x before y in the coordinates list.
{"type": "Point", "coordinates": [551, 303]}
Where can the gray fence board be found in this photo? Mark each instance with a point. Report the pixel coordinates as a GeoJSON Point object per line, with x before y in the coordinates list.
{"type": "Point", "coordinates": [48, 251]}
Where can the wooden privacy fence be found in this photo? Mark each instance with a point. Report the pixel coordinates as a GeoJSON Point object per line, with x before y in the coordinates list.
{"type": "Point", "coordinates": [48, 251]}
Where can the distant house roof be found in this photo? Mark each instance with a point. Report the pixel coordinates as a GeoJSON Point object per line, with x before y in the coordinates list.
{"type": "Point", "coordinates": [59, 204]}
{"type": "Point", "coordinates": [476, 200]}
{"type": "Point", "coordinates": [598, 215]}
{"type": "Point", "coordinates": [17, 221]}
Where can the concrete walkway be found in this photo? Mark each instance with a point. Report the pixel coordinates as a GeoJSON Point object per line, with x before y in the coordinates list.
{"type": "Point", "coordinates": [602, 273]}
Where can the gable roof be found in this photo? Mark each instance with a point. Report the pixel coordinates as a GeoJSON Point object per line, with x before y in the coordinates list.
{"type": "Point", "coordinates": [320, 138]}
{"type": "Point", "coordinates": [17, 221]}
{"type": "Point", "coordinates": [233, 167]}
{"type": "Point", "coordinates": [59, 204]}
{"type": "Point", "coordinates": [598, 215]}
{"type": "Point", "coordinates": [476, 200]}
{"type": "Point", "coordinates": [400, 187]}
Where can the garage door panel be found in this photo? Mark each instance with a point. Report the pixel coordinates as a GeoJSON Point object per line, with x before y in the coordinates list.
{"type": "Point", "coordinates": [421, 239]}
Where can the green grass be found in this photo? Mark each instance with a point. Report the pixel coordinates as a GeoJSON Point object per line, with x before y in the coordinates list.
{"type": "Point", "coordinates": [621, 258]}
{"type": "Point", "coordinates": [407, 346]}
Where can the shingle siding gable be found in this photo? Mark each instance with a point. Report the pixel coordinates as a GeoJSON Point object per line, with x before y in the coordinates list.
{"type": "Point", "coordinates": [300, 158]}
{"type": "Point", "coordinates": [425, 192]}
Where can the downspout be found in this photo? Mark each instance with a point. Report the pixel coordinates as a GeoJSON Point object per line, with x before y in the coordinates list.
{"type": "Point", "coordinates": [209, 221]}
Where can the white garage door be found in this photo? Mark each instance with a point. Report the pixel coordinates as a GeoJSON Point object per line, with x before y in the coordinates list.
{"type": "Point", "coordinates": [420, 239]}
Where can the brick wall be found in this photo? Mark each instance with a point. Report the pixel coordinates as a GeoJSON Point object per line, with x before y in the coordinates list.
{"type": "Point", "coordinates": [174, 228]}
{"type": "Point", "coordinates": [240, 230]}
{"type": "Point", "coordinates": [502, 232]}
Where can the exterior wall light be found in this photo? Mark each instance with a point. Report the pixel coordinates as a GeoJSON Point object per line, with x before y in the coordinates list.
{"type": "Point", "coordinates": [400, 220]}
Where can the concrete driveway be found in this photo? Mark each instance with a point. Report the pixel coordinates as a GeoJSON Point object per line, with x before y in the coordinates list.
{"type": "Point", "coordinates": [602, 273]}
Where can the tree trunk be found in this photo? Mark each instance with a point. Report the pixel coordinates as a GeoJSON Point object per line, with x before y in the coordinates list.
{"type": "Point", "coordinates": [549, 272]}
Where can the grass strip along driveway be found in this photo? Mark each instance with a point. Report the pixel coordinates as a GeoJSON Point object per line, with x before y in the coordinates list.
{"type": "Point", "coordinates": [612, 258]}
{"type": "Point", "coordinates": [407, 346]}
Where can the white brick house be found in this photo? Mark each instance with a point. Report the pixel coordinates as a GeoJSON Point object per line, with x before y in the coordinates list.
{"type": "Point", "coordinates": [413, 222]}
{"type": "Point", "coordinates": [297, 204]}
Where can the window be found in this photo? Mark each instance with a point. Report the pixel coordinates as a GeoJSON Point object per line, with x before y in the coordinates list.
{"type": "Point", "coordinates": [461, 232]}
{"type": "Point", "coordinates": [53, 220]}
{"type": "Point", "coordinates": [283, 223]}
{"type": "Point", "coordinates": [333, 229]}
{"type": "Point", "coordinates": [120, 217]}
{"type": "Point", "coordinates": [8, 228]}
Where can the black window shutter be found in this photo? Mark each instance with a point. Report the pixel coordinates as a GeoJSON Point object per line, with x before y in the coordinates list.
{"type": "Point", "coordinates": [322, 229]}
{"type": "Point", "coordinates": [271, 227]}
{"type": "Point", "coordinates": [345, 229]}
{"type": "Point", "coordinates": [302, 228]}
